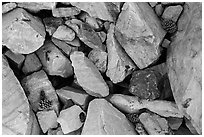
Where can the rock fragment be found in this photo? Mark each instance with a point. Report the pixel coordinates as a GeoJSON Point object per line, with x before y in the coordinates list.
{"type": "Point", "coordinates": [90, 20]}
{"type": "Point", "coordinates": [64, 33]}
{"type": "Point", "coordinates": [88, 76]}
{"type": "Point", "coordinates": [119, 64]}
{"type": "Point", "coordinates": [76, 43]}
{"type": "Point", "coordinates": [159, 9]}
{"type": "Point", "coordinates": [99, 58]}
{"type": "Point", "coordinates": [53, 61]}
{"type": "Point", "coordinates": [65, 12]}
{"type": "Point", "coordinates": [184, 64]}
{"type": "Point", "coordinates": [174, 123]}
{"type": "Point", "coordinates": [47, 120]}
{"type": "Point", "coordinates": [8, 7]}
{"type": "Point", "coordinates": [69, 119]}
{"type": "Point", "coordinates": [140, 129]}
{"type": "Point", "coordinates": [152, 4]}
{"type": "Point", "coordinates": [104, 119]}
{"type": "Point", "coordinates": [166, 43]}
{"type": "Point", "coordinates": [17, 116]}
{"type": "Point", "coordinates": [22, 32]}
{"type": "Point", "coordinates": [172, 12]}
{"type": "Point", "coordinates": [52, 23]}
{"type": "Point", "coordinates": [102, 35]}
{"type": "Point", "coordinates": [31, 64]}
{"type": "Point", "coordinates": [57, 131]}
{"type": "Point", "coordinates": [139, 31]}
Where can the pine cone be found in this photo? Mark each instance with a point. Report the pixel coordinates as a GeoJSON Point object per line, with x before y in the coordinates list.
{"type": "Point", "coordinates": [45, 104]}
{"type": "Point", "coordinates": [169, 25]}
{"type": "Point", "coordinates": [133, 117]}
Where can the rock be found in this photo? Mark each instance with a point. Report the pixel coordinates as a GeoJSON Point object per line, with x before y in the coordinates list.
{"type": "Point", "coordinates": [132, 104]}
{"type": "Point", "coordinates": [57, 131]}
{"type": "Point", "coordinates": [34, 84]}
{"type": "Point", "coordinates": [172, 12]}
{"type": "Point", "coordinates": [21, 32]}
{"type": "Point", "coordinates": [31, 64]}
{"type": "Point", "coordinates": [53, 61]}
{"type": "Point", "coordinates": [190, 126]}
{"type": "Point", "coordinates": [90, 37]}
{"type": "Point", "coordinates": [88, 76]}
{"type": "Point", "coordinates": [76, 132]}
{"type": "Point", "coordinates": [17, 59]}
{"type": "Point", "coordinates": [36, 6]}
{"type": "Point", "coordinates": [69, 119]}
{"type": "Point", "coordinates": [76, 43]}
{"type": "Point", "coordinates": [141, 35]}
{"type": "Point", "coordinates": [165, 43]}
{"type": "Point", "coordinates": [184, 64]}
{"type": "Point", "coordinates": [172, 3]}
{"type": "Point", "coordinates": [74, 25]}
{"type": "Point", "coordinates": [99, 58]}
{"type": "Point", "coordinates": [161, 68]}
{"type": "Point", "coordinates": [65, 12]}
{"type": "Point", "coordinates": [47, 120]}
{"type": "Point", "coordinates": [17, 117]}
{"type": "Point", "coordinates": [182, 131]}
{"type": "Point", "coordinates": [79, 97]}
{"type": "Point", "coordinates": [107, 25]}
{"type": "Point", "coordinates": [102, 10]}
{"type": "Point", "coordinates": [145, 84]}
{"type": "Point", "coordinates": [64, 33]}
{"type": "Point", "coordinates": [159, 9]}
{"type": "Point", "coordinates": [140, 129]}
{"type": "Point", "coordinates": [52, 23]}
{"type": "Point", "coordinates": [152, 4]}
{"type": "Point", "coordinates": [154, 124]}
{"type": "Point", "coordinates": [8, 7]}
{"type": "Point", "coordinates": [119, 64]}
{"type": "Point", "coordinates": [85, 17]}
{"type": "Point", "coordinates": [102, 35]}
{"type": "Point", "coordinates": [174, 123]}
{"type": "Point", "coordinates": [104, 119]}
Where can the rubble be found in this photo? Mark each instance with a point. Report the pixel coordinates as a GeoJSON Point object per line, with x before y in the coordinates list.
{"type": "Point", "coordinates": [172, 12]}
{"type": "Point", "coordinates": [69, 119]}
{"type": "Point", "coordinates": [53, 61]}
{"type": "Point", "coordinates": [64, 33]}
{"type": "Point", "coordinates": [88, 75]}
{"type": "Point", "coordinates": [8, 7]}
{"type": "Point", "coordinates": [119, 64]}
{"type": "Point", "coordinates": [52, 23]}
{"type": "Point", "coordinates": [104, 119]}
{"type": "Point", "coordinates": [65, 12]}
{"type": "Point", "coordinates": [31, 64]}
{"type": "Point", "coordinates": [22, 32]}
{"type": "Point", "coordinates": [184, 64]}
{"type": "Point", "coordinates": [139, 32]}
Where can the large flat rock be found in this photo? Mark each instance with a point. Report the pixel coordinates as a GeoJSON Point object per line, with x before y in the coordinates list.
{"type": "Point", "coordinates": [104, 119]}
{"type": "Point", "coordinates": [22, 32]}
{"type": "Point", "coordinates": [88, 75]}
{"type": "Point", "coordinates": [184, 64]}
{"type": "Point", "coordinates": [139, 31]}
{"type": "Point", "coordinates": [17, 117]}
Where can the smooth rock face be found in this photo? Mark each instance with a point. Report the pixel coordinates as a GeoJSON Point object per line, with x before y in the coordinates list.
{"type": "Point", "coordinates": [31, 64]}
{"type": "Point", "coordinates": [53, 61]}
{"type": "Point", "coordinates": [17, 117]}
{"type": "Point", "coordinates": [104, 119]}
{"type": "Point", "coordinates": [159, 9]}
{"type": "Point", "coordinates": [69, 119]}
{"type": "Point", "coordinates": [172, 12]}
{"type": "Point", "coordinates": [64, 33]}
{"type": "Point", "coordinates": [139, 31]}
{"type": "Point", "coordinates": [8, 7]}
{"type": "Point", "coordinates": [47, 120]}
{"type": "Point", "coordinates": [65, 12]}
{"type": "Point", "coordinates": [88, 75]}
{"type": "Point", "coordinates": [145, 84]}
{"type": "Point", "coordinates": [184, 64]}
{"type": "Point", "coordinates": [66, 48]}
{"type": "Point", "coordinates": [21, 32]}
{"type": "Point", "coordinates": [119, 64]}
{"type": "Point", "coordinates": [52, 23]}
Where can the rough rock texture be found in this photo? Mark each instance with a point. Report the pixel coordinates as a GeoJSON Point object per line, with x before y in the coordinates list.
{"type": "Point", "coordinates": [8, 7]}
{"type": "Point", "coordinates": [88, 75]}
{"type": "Point", "coordinates": [99, 58]}
{"type": "Point", "coordinates": [37, 6]}
{"type": "Point", "coordinates": [154, 124]}
{"type": "Point", "coordinates": [53, 61]}
{"type": "Point", "coordinates": [172, 12]}
{"type": "Point", "coordinates": [104, 119]}
{"type": "Point", "coordinates": [184, 64]}
{"type": "Point", "coordinates": [34, 84]}
{"type": "Point", "coordinates": [64, 33]}
{"type": "Point", "coordinates": [119, 64]}
{"type": "Point", "coordinates": [102, 10]}
{"type": "Point", "coordinates": [139, 31]}
{"type": "Point", "coordinates": [31, 64]}
{"type": "Point", "coordinates": [17, 117]}
{"type": "Point", "coordinates": [145, 84]}
{"type": "Point", "coordinates": [69, 119]}
{"type": "Point", "coordinates": [159, 9]}
{"type": "Point", "coordinates": [52, 23]}
{"type": "Point", "coordinates": [65, 12]}
{"type": "Point", "coordinates": [22, 32]}
{"type": "Point", "coordinates": [47, 120]}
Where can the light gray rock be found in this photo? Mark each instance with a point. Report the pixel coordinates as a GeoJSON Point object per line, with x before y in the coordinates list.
{"type": "Point", "coordinates": [52, 23]}
{"type": "Point", "coordinates": [8, 7]}
{"type": "Point", "coordinates": [88, 75]}
{"type": "Point", "coordinates": [17, 116]}
{"type": "Point", "coordinates": [22, 32]}
{"type": "Point", "coordinates": [165, 43]}
{"type": "Point", "coordinates": [159, 9]}
{"type": "Point", "coordinates": [64, 33]}
{"type": "Point", "coordinates": [152, 4]}
{"type": "Point", "coordinates": [65, 12]}
{"type": "Point", "coordinates": [104, 119]}
{"type": "Point", "coordinates": [184, 64]}
{"type": "Point", "coordinates": [139, 31]}
{"type": "Point", "coordinates": [119, 64]}
{"type": "Point", "coordinates": [69, 119]}
{"type": "Point", "coordinates": [47, 120]}
{"type": "Point", "coordinates": [172, 12]}
{"type": "Point", "coordinates": [102, 35]}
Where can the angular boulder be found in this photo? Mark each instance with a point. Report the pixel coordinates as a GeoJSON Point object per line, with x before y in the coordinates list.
{"type": "Point", "coordinates": [139, 31]}
{"type": "Point", "coordinates": [184, 64]}
{"type": "Point", "coordinates": [8, 7]}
